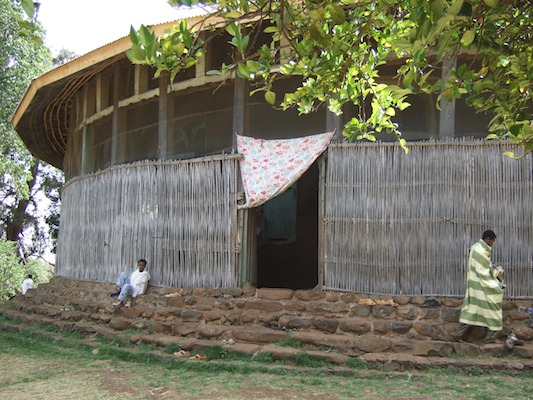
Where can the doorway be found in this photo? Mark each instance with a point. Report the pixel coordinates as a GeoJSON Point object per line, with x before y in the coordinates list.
{"type": "Point", "coordinates": [286, 230]}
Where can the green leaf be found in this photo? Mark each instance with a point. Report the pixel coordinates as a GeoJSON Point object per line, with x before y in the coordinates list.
{"type": "Point", "coordinates": [466, 9]}
{"type": "Point", "coordinates": [390, 111]}
{"type": "Point", "coordinates": [515, 130]}
{"type": "Point", "coordinates": [509, 154]}
{"type": "Point", "coordinates": [448, 95]}
{"type": "Point", "coordinates": [29, 7]}
{"type": "Point", "coordinates": [492, 3]}
{"type": "Point", "coordinates": [408, 78]}
{"type": "Point", "coordinates": [455, 7]}
{"type": "Point", "coordinates": [337, 13]}
{"type": "Point", "coordinates": [404, 105]}
{"type": "Point", "coordinates": [244, 44]}
{"type": "Point", "coordinates": [133, 35]}
{"type": "Point", "coordinates": [179, 49]}
{"type": "Point", "coordinates": [437, 9]}
{"type": "Point", "coordinates": [233, 29]}
{"type": "Point", "coordinates": [462, 70]}
{"type": "Point", "coordinates": [243, 72]}
{"type": "Point", "coordinates": [146, 37]}
{"type": "Point", "coordinates": [137, 54]}
{"type": "Point", "coordinates": [270, 97]}
{"type": "Point", "coordinates": [468, 38]}
{"type": "Point", "coordinates": [233, 15]}
{"type": "Point", "coordinates": [253, 66]}
{"type": "Point", "coordinates": [271, 29]}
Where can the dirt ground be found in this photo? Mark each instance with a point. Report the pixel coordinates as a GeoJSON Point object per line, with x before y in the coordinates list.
{"type": "Point", "coordinates": [28, 377]}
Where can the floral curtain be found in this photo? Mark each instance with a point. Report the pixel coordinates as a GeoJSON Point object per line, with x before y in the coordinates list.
{"type": "Point", "coordinates": [269, 167]}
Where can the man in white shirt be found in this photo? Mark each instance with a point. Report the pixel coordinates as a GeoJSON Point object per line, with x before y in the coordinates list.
{"type": "Point", "coordinates": [135, 284]}
{"type": "Point", "coordinates": [27, 284]}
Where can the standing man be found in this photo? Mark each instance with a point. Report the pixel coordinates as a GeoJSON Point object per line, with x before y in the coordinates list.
{"type": "Point", "coordinates": [135, 284]}
{"type": "Point", "coordinates": [483, 299]}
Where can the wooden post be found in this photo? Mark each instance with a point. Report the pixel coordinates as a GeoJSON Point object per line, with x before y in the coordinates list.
{"type": "Point", "coordinates": [84, 130]}
{"type": "Point", "coordinates": [334, 123]}
{"type": "Point", "coordinates": [114, 126]}
{"type": "Point", "coordinates": [163, 116]}
{"type": "Point", "coordinates": [239, 103]}
{"type": "Point", "coordinates": [84, 166]}
{"type": "Point", "coordinates": [98, 92]}
{"type": "Point", "coordinates": [321, 217]}
{"type": "Point", "coordinates": [201, 63]}
{"type": "Point", "coordinates": [447, 109]}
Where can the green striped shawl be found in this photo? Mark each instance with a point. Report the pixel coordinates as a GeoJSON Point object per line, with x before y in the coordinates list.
{"type": "Point", "coordinates": [483, 299]}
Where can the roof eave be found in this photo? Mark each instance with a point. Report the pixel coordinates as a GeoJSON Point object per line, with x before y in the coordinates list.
{"type": "Point", "coordinates": [83, 62]}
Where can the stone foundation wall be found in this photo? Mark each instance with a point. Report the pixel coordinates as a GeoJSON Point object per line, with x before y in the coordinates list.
{"type": "Point", "coordinates": [209, 312]}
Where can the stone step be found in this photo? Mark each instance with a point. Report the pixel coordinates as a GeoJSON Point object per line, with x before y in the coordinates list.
{"type": "Point", "coordinates": [349, 346]}
{"type": "Point", "coordinates": [194, 314]}
{"type": "Point", "coordinates": [341, 321]}
{"type": "Point", "coordinates": [490, 361]}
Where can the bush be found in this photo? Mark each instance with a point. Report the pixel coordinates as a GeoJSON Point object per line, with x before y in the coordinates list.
{"type": "Point", "coordinates": [41, 271]}
{"type": "Point", "coordinates": [11, 270]}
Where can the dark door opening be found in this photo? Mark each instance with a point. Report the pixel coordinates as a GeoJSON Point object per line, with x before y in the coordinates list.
{"type": "Point", "coordinates": [287, 236]}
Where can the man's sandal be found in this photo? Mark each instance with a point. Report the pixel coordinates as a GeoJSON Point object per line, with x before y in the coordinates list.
{"type": "Point", "coordinates": [181, 354]}
{"type": "Point", "coordinates": [198, 357]}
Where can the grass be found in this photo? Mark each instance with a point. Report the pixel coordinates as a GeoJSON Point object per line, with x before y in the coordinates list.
{"type": "Point", "coordinates": [289, 341]}
{"type": "Point", "coordinates": [171, 348]}
{"type": "Point", "coordinates": [45, 362]}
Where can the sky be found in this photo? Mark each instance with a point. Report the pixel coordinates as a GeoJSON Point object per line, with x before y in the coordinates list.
{"type": "Point", "coordinates": [82, 26]}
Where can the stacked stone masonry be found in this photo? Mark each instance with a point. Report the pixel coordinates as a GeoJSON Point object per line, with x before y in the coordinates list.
{"type": "Point", "coordinates": [353, 323]}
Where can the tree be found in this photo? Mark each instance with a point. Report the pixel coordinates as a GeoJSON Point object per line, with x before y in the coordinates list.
{"type": "Point", "coordinates": [336, 48]}
{"type": "Point", "coordinates": [24, 180]}
{"type": "Point", "coordinates": [11, 271]}
{"type": "Point", "coordinates": [63, 56]}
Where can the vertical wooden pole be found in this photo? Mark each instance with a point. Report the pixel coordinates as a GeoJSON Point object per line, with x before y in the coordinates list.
{"type": "Point", "coordinates": [239, 103]}
{"type": "Point", "coordinates": [239, 110]}
{"type": "Point", "coordinates": [334, 123]}
{"type": "Point", "coordinates": [84, 138]}
{"type": "Point", "coordinates": [114, 127]}
{"type": "Point", "coordinates": [84, 167]}
{"type": "Point", "coordinates": [447, 109]}
{"type": "Point", "coordinates": [202, 62]}
{"type": "Point", "coordinates": [321, 214]}
{"type": "Point", "coordinates": [163, 116]}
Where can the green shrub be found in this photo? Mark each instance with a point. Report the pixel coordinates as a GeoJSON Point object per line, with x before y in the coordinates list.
{"type": "Point", "coordinates": [215, 352]}
{"type": "Point", "coordinates": [171, 348]}
{"type": "Point", "coordinates": [41, 271]}
{"type": "Point", "coordinates": [11, 270]}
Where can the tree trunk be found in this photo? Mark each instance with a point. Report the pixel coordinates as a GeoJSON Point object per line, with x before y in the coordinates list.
{"type": "Point", "coordinates": [18, 220]}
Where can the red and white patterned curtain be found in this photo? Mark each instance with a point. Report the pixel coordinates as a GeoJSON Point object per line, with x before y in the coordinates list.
{"type": "Point", "coordinates": [269, 167]}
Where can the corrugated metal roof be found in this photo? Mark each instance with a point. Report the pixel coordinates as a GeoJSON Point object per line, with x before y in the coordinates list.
{"type": "Point", "coordinates": [188, 14]}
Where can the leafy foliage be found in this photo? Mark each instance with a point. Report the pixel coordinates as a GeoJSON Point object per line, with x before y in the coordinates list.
{"type": "Point", "coordinates": [41, 271]}
{"type": "Point", "coordinates": [337, 48]}
{"type": "Point", "coordinates": [63, 57]}
{"type": "Point", "coordinates": [11, 272]}
{"type": "Point", "coordinates": [24, 181]}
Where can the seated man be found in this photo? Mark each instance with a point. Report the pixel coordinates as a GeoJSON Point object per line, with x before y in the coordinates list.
{"type": "Point", "coordinates": [27, 284]}
{"type": "Point", "coordinates": [135, 284]}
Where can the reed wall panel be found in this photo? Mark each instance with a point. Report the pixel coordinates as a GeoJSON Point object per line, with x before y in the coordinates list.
{"type": "Point", "coordinates": [399, 223]}
{"type": "Point", "coordinates": [181, 216]}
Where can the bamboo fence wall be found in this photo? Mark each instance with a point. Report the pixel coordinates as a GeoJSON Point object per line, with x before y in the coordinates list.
{"type": "Point", "coordinates": [181, 216]}
{"type": "Point", "coordinates": [399, 223]}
